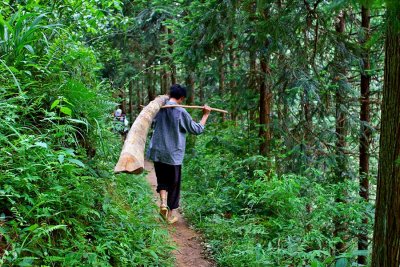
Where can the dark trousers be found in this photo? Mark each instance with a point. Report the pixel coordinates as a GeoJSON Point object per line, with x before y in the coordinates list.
{"type": "Point", "coordinates": [169, 179]}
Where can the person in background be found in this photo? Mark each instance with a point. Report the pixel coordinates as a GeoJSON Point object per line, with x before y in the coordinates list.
{"type": "Point", "coordinates": [167, 148]}
{"type": "Point", "coordinates": [121, 124]}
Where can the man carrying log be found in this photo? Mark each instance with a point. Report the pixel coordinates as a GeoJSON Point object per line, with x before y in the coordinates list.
{"type": "Point", "coordinates": [167, 148]}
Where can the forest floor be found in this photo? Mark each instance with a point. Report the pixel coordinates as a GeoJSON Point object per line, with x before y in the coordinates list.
{"type": "Point", "coordinates": [190, 251]}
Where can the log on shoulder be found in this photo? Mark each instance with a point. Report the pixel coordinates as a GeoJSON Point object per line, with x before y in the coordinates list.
{"type": "Point", "coordinates": [131, 159]}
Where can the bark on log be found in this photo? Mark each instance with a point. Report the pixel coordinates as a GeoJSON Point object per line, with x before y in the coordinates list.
{"type": "Point", "coordinates": [131, 159]}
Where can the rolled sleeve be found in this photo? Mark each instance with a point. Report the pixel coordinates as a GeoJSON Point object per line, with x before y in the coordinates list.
{"type": "Point", "coordinates": [189, 125]}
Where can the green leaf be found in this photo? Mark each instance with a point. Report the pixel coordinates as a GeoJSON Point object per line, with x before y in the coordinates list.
{"type": "Point", "coordinates": [55, 103]}
{"type": "Point", "coordinates": [316, 263]}
{"type": "Point", "coordinates": [14, 70]}
{"type": "Point", "coordinates": [29, 48]}
{"type": "Point", "coordinates": [32, 227]}
{"type": "Point", "coordinates": [66, 101]}
{"type": "Point", "coordinates": [153, 254]}
{"type": "Point", "coordinates": [41, 144]}
{"type": "Point", "coordinates": [27, 261]}
{"type": "Point", "coordinates": [77, 162]}
{"type": "Point", "coordinates": [66, 111]}
{"type": "Point", "coordinates": [69, 151]}
{"type": "Point", "coordinates": [61, 158]}
{"type": "Point", "coordinates": [342, 262]}
{"type": "Point", "coordinates": [78, 121]}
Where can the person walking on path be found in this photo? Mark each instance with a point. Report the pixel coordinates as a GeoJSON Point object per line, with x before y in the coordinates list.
{"type": "Point", "coordinates": [121, 124]}
{"type": "Point", "coordinates": [167, 148]}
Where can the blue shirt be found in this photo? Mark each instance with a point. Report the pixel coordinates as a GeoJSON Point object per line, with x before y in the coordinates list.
{"type": "Point", "coordinates": [168, 143]}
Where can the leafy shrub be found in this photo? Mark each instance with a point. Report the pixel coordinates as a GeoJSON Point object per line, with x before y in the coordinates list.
{"type": "Point", "coordinates": [60, 203]}
{"type": "Point", "coordinates": [253, 217]}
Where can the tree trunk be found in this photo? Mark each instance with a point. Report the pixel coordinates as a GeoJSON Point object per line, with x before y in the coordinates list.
{"type": "Point", "coordinates": [165, 84]}
{"type": "Point", "coordinates": [221, 72]}
{"type": "Point", "coordinates": [307, 116]}
{"type": "Point", "coordinates": [155, 82]}
{"type": "Point", "coordinates": [341, 168]}
{"type": "Point", "coordinates": [163, 78]}
{"type": "Point", "coordinates": [232, 82]}
{"type": "Point", "coordinates": [283, 117]}
{"type": "Point", "coordinates": [308, 139]}
{"type": "Point", "coordinates": [131, 159]}
{"type": "Point", "coordinates": [201, 90]}
{"type": "Point", "coordinates": [190, 86]}
{"type": "Point", "coordinates": [123, 100]}
{"type": "Point", "coordinates": [191, 139]}
{"type": "Point", "coordinates": [171, 61]}
{"type": "Point", "coordinates": [265, 101]}
{"type": "Point", "coordinates": [365, 133]}
{"type": "Point", "coordinates": [252, 86]}
{"type": "Point", "coordinates": [150, 89]}
{"type": "Point", "coordinates": [386, 244]}
{"type": "Point", "coordinates": [130, 106]}
{"type": "Point", "coordinates": [265, 108]}
{"type": "Point", "coordinates": [139, 98]}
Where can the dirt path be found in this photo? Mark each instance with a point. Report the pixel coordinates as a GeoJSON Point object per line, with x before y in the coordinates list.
{"type": "Point", "coordinates": [189, 252]}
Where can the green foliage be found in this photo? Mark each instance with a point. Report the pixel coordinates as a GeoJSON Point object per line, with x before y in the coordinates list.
{"type": "Point", "coordinates": [253, 217]}
{"type": "Point", "coordinates": [61, 62]}
{"type": "Point", "coordinates": [60, 203]}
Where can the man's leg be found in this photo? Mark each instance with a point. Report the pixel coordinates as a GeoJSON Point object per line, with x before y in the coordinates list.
{"type": "Point", "coordinates": [163, 198]}
{"type": "Point", "coordinates": [174, 191]}
{"type": "Point", "coordinates": [162, 186]}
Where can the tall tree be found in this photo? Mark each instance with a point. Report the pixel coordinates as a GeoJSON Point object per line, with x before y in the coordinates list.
{"type": "Point", "coordinates": [221, 73]}
{"type": "Point", "coordinates": [365, 132]}
{"type": "Point", "coordinates": [149, 83]}
{"type": "Point", "coordinates": [170, 52]}
{"type": "Point", "coordinates": [265, 106]}
{"type": "Point", "coordinates": [164, 74]}
{"type": "Point", "coordinates": [190, 86]}
{"type": "Point", "coordinates": [265, 98]}
{"type": "Point", "coordinates": [341, 128]}
{"type": "Point", "coordinates": [386, 242]}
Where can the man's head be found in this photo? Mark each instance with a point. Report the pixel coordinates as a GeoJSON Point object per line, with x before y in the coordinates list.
{"type": "Point", "coordinates": [178, 92]}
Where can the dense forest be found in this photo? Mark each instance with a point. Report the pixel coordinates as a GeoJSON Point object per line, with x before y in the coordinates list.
{"type": "Point", "coordinates": [303, 171]}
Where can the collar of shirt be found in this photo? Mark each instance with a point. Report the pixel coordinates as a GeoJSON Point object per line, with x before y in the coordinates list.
{"type": "Point", "coordinates": [170, 102]}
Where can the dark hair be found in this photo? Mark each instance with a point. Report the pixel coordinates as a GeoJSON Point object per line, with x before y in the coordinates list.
{"type": "Point", "coordinates": [177, 91]}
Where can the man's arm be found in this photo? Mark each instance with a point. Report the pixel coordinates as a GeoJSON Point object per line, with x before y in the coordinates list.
{"type": "Point", "coordinates": [206, 113]}
{"type": "Point", "coordinates": [188, 125]}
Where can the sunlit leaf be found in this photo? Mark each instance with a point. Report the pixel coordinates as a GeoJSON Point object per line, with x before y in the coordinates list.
{"type": "Point", "coordinates": [66, 111]}
{"type": "Point", "coordinates": [55, 103]}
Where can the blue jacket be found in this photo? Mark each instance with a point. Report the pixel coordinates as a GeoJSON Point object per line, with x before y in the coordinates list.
{"type": "Point", "coordinates": [167, 145]}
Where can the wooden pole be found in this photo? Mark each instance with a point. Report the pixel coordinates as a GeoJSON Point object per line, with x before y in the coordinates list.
{"type": "Point", "coordinates": [196, 107]}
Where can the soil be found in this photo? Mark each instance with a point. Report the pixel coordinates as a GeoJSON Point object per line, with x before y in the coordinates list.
{"type": "Point", "coordinates": [189, 252]}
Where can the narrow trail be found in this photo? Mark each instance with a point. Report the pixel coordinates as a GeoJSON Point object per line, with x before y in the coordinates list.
{"type": "Point", "coordinates": [190, 251]}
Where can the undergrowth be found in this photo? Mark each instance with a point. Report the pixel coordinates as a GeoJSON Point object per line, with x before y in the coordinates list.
{"type": "Point", "coordinates": [60, 203]}
{"type": "Point", "coordinates": [251, 216]}
{"type": "Point", "coordinates": [70, 213]}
